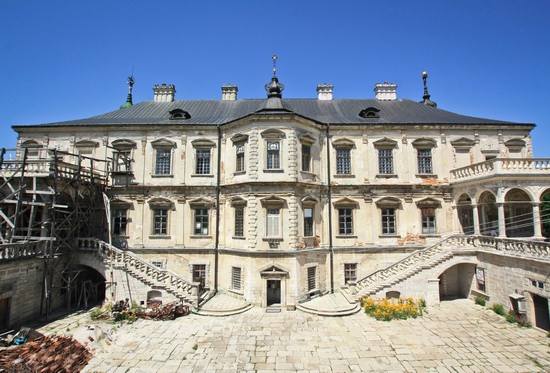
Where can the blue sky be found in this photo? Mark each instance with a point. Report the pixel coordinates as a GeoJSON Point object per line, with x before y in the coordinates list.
{"type": "Point", "coordinates": [63, 60]}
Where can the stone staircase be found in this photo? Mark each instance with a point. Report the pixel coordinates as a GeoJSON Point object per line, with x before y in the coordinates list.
{"type": "Point", "coordinates": [145, 272]}
{"type": "Point", "coordinates": [427, 261]}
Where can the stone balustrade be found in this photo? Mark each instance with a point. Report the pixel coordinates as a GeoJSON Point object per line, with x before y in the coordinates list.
{"type": "Point", "coordinates": [502, 166]}
{"type": "Point", "coordinates": [502, 246]}
{"type": "Point", "coordinates": [14, 251]}
{"type": "Point", "coordinates": [138, 267]}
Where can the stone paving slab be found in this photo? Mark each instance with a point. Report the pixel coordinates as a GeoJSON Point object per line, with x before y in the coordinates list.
{"type": "Point", "coordinates": [457, 337]}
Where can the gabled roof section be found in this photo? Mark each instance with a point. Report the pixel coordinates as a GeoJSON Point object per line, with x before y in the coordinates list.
{"type": "Point", "coordinates": [219, 112]}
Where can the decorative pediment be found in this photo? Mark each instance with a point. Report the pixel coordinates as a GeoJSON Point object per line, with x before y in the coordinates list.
{"type": "Point", "coordinates": [273, 133]}
{"type": "Point", "coordinates": [273, 270]}
{"type": "Point", "coordinates": [370, 112]}
{"type": "Point", "coordinates": [201, 202]}
{"type": "Point", "coordinates": [346, 203]}
{"type": "Point", "coordinates": [515, 145]}
{"type": "Point", "coordinates": [179, 114]}
{"type": "Point", "coordinates": [30, 144]}
{"type": "Point", "coordinates": [123, 144]}
{"type": "Point", "coordinates": [203, 143]}
{"type": "Point", "coordinates": [424, 143]}
{"type": "Point", "coordinates": [239, 138]}
{"type": "Point", "coordinates": [385, 143]}
{"type": "Point", "coordinates": [343, 143]}
{"type": "Point", "coordinates": [86, 144]}
{"type": "Point", "coordinates": [309, 201]}
{"type": "Point", "coordinates": [463, 144]}
{"type": "Point", "coordinates": [163, 143]}
{"type": "Point", "coordinates": [273, 200]}
{"type": "Point", "coordinates": [238, 202]}
{"type": "Point", "coordinates": [161, 203]}
{"type": "Point", "coordinates": [306, 138]}
{"type": "Point", "coordinates": [117, 203]}
{"type": "Point", "coordinates": [428, 203]}
{"type": "Point", "coordinates": [389, 202]}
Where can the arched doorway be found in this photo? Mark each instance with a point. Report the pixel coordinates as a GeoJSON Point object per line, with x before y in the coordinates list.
{"type": "Point", "coordinates": [456, 281]}
{"type": "Point", "coordinates": [465, 214]}
{"type": "Point", "coordinates": [87, 287]}
{"type": "Point", "coordinates": [488, 214]}
{"type": "Point", "coordinates": [518, 212]}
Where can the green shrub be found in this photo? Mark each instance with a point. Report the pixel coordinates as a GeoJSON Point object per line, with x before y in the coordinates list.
{"type": "Point", "coordinates": [481, 301]}
{"type": "Point", "coordinates": [498, 308]}
{"type": "Point", "coordinates": [511, 318]}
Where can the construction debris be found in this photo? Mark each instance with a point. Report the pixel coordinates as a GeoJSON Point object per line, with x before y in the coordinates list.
{"type": "Point", "coordinates": [46, 355]}
{"type": "Point", "coordinates": [169, 311]}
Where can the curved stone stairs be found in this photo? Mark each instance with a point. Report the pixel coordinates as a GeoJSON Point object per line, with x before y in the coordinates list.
{"type": "Point", "coordinates": [336, 304]}
{"type": "Point", "coordinates": [222, 304]}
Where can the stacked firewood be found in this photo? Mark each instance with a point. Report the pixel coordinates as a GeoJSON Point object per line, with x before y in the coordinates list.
{"type": "Point", "coordinates": [46, 355]}
{"type": "Point", "coordinates": [169, 311]}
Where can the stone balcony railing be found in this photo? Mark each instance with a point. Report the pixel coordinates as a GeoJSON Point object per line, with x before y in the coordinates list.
{"type": "Point", "coordinates": [142, 269]}
{"type": "Point", "coordinates": [500, 167]}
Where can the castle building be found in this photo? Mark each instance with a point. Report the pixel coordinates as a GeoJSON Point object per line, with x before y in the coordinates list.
{"type": "Point", "coordinates": [276, 201]}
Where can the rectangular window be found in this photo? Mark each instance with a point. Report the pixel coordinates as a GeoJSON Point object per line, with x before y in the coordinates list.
{"type": "Point", "coordinates": [240, 159]}
{"type": "Point", "coordinates": [201, 222]}
{"type": "Point", "coordinates": [308, 222]}
{"type": "Point", "coordinates": [203, 162]}
{"type": "Point", "coordinates": [345, 221]}
{"type": "Point", "coordinates": [158, 263]}
{"type": "Point", "coordinates": [119, 222]}
{"type": "Point", "coordinates": [343, 161]}
{"type": "Point", "coordinates": [480, 279]}
{"type": "Point", "coordinates": [385, 161]}
{"type": "Point", "coordinates": [273, 156]}
{"type": "Point", "coordinates": [425, 161]}
{"type": "Point", "coordinates": [122, 161]}
{"type": "Point", "coordinates": [306, 157]}
{"type": "Point", "coordinates": [160, 218]}
{"type": "Point", "coordinates": [350, 272]}
{"type": "Point", "coordinates": [428, 220]}
{"type": "Point", "coordinates": [239, 221]}
{"type": "Point", "coordinates": [163, 162]}
{"type": "Point", "coordinates": [199, 274]}
{"type": "Point", "coordinates": [273, 222]}
{"type": "Point", "coordinates": [311, 278]}
{"type": "Point", "coordinates": [388, 221]}
{"type": "Point", "coordinates": [236, 282]}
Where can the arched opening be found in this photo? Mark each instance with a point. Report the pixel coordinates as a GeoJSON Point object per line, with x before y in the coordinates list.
{"type": "Point", "coordinates": [465, 214]}
{"type": "Point", "coordinates": [456, 281]}
{"type": "Point", "coordinates": [87, 287]}
{"type": "Point", "coordinates": [545, 214]}
{"type": "Point", "coordinates": [488, 214]}
{"type": "Point", "coordinates": [518, 212]}
{"type": "Point", "coordinates": [154, 297]}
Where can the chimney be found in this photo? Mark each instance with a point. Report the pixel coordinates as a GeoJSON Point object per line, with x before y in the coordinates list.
{"type": "Point", "coordinates": [164, 93]}
{"type": "Point", "coordinates": [385, 91]}
{"type": "Point", "coordinates": [229, 92]}
{"type": "Point", "coordinates": [324, 92]}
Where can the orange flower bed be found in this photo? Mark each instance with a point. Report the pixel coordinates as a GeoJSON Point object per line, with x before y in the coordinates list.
{"type": "Point", "coordinates": [389, 309]}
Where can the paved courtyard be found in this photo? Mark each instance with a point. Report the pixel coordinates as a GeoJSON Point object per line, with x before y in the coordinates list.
{"type": "Point", "coordinates": [457, 337]}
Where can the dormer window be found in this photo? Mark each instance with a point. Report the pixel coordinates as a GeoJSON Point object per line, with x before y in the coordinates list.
{"type": "Point", "coordinates": [370, 112]}
{"type": "Point", "coordinates": [179, 114]}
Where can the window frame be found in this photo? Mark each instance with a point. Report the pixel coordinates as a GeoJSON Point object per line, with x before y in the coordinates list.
{"type": "Point", "coordinates": [200, 219]}
{"type": "Point", "coordinates": [273, 156]}
{"type": "Point", "coordinates": [388, 219]}
{"type": "Point", "coordinates": [306, 157]}
{"type": "Point", "coordinates": [119, 221]}
{"type": "Point", "coordinates": [312, 279]}
{"type": "Point", "coordinates": [345, 221]}
{"type": "Point", "coordinates": [160, 221]}
{"type": "Point", "coordinates": [309, 221]}
{"type": "Point", "coordinates": [429, 222]}
{"type": "Point", "coordinates": [239, 221]}
{"type": "Point", "coordinates": [236, 278]}
{"type": "Point", "coordinates": [270, 214]}
{"type": "Point", "coordinates": [350, 270]}
{"type": "Point", "coordinates": [240, 164]}
{"type": "Point", "coordinates": [203, 164]}
{"type": "Point", "coordinates": [424, 155]}
{"type": "Point", "coordinates": [343, 161]}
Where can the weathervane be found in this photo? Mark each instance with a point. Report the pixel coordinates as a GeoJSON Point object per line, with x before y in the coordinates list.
{"type": "Point", "coordinates": [130, 83]}
{"type": "Point", "coordinates": [274, 58]}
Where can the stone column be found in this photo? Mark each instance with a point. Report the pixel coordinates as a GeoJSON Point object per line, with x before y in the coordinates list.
{"type": "Point", "coordinates": [501, 220]}
{"type": "Point", "coordinates": [475, 214]}
{"type": "Point", "coordinates": [537, 222]}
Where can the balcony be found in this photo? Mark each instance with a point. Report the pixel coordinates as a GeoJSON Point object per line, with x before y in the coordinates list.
{"type": "Point", "coordinates": [499, 167]}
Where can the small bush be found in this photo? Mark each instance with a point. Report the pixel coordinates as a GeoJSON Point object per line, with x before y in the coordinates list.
{"type": "Point", "coordinates": [511, 318]}
{"type": "Point", "coordinates": [498, 308]}
{"type": "Point", "coordinates": [481, 301]}
{"type": "Point", "coordinates": [102, 312]}
{"type": "Point", "coordinates": [386, 309]}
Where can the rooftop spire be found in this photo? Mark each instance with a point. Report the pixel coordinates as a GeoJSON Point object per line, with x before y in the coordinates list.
{"type": "Point", "coordinates": [426, 96]}
{"type": "Point", "coordinates": [274, 88]}
{"type": "Point", "coordinates": [128, 102]}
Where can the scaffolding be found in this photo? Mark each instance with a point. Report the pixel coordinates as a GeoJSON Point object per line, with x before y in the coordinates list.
{"type": "Point", "coordinates": [49, 198]}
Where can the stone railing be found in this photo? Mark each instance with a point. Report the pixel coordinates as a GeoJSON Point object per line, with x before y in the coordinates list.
{"type": "Point", "coordinates": [501, 246]}
{"type": "Point", "coordinates": [14, 251]}
{"type": "Point", "coordinates": [415, 259]}
{"type": "Point", "coordinates": [502, 166]}
{"type": "Point", "coordinates": [138, 267]}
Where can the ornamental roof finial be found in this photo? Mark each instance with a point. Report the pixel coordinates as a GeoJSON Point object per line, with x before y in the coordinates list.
{"type": "Point", "coordinates": [274, 58]}
{"type": "Point", "coordinates": [426, 96]}
{"type": "Point", "coordinates": [274, 88]}
{"type": "Point", "coordinates": [130, 83]}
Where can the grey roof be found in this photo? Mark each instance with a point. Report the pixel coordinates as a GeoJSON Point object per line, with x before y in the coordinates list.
{"type": "Point", "coordinates": [341, 111]}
